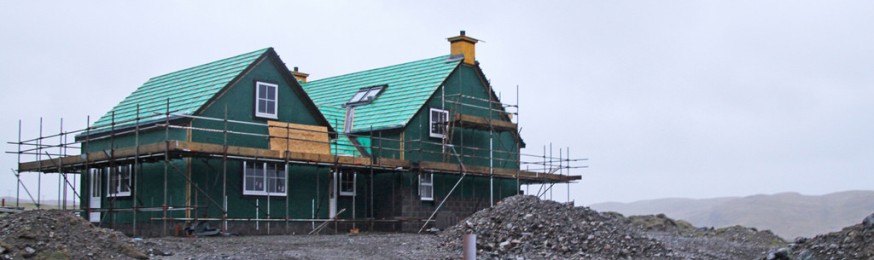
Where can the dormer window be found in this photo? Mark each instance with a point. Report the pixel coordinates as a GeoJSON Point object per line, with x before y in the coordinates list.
{"type": "Point", "coordinates": [366, 95]}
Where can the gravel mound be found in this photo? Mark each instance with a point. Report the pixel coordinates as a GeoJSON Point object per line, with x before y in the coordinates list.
{"type": "Point", "coordinates": [526, 227]}
{"type": "Point", "coordinates": [661, 223]}
{"type": "Point", "coordinates": [55, 234]}
{"type": "Point", "coordinates": [853, 242]}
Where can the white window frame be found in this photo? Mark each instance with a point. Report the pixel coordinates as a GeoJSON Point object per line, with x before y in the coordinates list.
{"type": "Point", "coordinates": [432, 122]}
{"type": "Point", "coordinates": [281, 191]}
{"type": "Point", "coordinates": [267, 100]}
{"type": "Point", "coordinates": [114, 184]}
{"type": "Point", "coordinates": [343, 182]}
{"type": "Point", "coordinates": [426, 179]}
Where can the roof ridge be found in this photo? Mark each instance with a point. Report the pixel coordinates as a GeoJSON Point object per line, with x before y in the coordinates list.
{"type": "Point", "coordinates": [211, 63]}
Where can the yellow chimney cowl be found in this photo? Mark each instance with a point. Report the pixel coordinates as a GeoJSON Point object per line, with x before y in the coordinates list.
{"type": "Point", "coordinates": [463, 45]}
{"type": "Point", "coordinates": [299, 76]}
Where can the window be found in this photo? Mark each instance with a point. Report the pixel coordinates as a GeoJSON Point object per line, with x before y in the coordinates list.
{"type": "Point", "coordinates": [426, 186]}
{"type": "Point", "coordinates": [266, 102]}
{"type": "Point", "coordinates": [347, 183]}
{"type": "Point", "coordinates": [348, 121]}
{"type": "Point", "coordinates": [119, 181]}
{"type": "Point", "coordinates": [365, 95]}
{"type": "Point", "coordinates": [439, 117]}
{"type": "Point", "coordinates": [263, 178]}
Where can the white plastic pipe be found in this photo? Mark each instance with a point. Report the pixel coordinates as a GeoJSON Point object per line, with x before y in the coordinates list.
{"type": "Point", "coordinates": [469, 245]}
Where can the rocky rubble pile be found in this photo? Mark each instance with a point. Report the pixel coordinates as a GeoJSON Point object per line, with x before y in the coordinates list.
{"type": "Point", "coordinates": [853, 242]}
{"type": "Point", "coordinates": [55, 234]}
{"type": "Point", "coordinates": [661, 223]}
{"type": "Point", "coordinates": [526, 227]}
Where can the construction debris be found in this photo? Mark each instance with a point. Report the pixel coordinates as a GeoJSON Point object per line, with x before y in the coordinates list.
{"type": "Point", "coordinates": [56, 234]}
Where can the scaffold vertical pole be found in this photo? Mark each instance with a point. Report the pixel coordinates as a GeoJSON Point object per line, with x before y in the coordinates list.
{"type": "Point", "coordinates": [287, 193]}
{"type": "Point", "coordinates": [550, 168]}
{"type": "Point", "coordinates": [87, 170]}
{"type": "Point", "coordinates": [61, 186]}
{"type": "Point", "coordinates": [166, 164]}
{"type": "Point", "coordinates": [136, 170]}
{"type": "Point", "coordinates": [39, 165]}
{"type": "Point", "coordinates": [17, 175]}
{"type": "Point", "coordinates": [371, 176]}
{"type": "Point", "coordinates": [518, 145]}
{"type": "Point", "coordinates": [225, 173]}
{"type": "Point", "coordinates": [491, 173]}
{"type": "Point", "coordinates": [567, 164]}
{"type": "Point", "coordinates": [113, 171]}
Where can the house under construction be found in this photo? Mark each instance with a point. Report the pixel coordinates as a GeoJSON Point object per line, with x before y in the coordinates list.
{"type": "Point", "coordinates": [255, 148]}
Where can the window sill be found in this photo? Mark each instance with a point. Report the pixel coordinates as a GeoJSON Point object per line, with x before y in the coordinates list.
{"type": "Point", "coordinates": [266, 116]}
{"type": "Point", "coordinates": [265, 194]}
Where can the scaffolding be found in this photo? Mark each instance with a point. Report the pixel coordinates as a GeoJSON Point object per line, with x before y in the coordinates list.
{"type": "Point", "coordinates": [65, 156]}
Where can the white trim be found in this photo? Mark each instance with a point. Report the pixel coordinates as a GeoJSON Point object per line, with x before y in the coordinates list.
{"type": "Point", "coordinates": [264, 181]}
{"type": "Point", "coordinates": [94, 196]}
{"type": "Point", "coordinates": [429, 183]}
{"type": "Point", "coordinates": [354, 183]}
{"type": "Point", "coordinates": [275, 114]}
{"type": "Point", "coordinates": [111, 181]}
{"type": "Point", "coordinates": [431, 122]}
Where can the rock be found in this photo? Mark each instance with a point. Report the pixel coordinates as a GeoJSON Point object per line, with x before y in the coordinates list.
{"type": "Point", "coordinates": [779, 254]}
{"type": "Point", "coordinates": [29, 251]}
{"type": "Point", "coordinates": [868, 222]}
{"type": "Point", "coordinates": [800, 240]}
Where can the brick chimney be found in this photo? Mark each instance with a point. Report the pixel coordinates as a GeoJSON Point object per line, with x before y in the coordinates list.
{"type": "Point", "coordinates": [299, 76]}
{"type": "Point", "coordinates": [464, 45]}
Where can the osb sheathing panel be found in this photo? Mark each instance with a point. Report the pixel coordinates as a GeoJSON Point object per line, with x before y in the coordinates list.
{"type": "Point", "coordinates": [298, 138]}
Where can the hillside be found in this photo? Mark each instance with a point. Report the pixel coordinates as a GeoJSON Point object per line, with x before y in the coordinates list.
{"type": "Point", "coordinates": [789, 215]}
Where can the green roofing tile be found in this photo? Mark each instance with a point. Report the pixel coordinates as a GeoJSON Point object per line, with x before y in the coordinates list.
{"type": "Point", "coordinates": [409, 87]}
{"type": "Point", "coordinates": [187, 89]}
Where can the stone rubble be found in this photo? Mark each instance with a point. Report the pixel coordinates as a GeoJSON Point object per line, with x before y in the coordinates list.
{"type": "Point", "coordinates": [55, 234]}
{"type": "Point", "coordinates": [525, 227]}
{"type": "Point", "coordinates": [853, 242]}
{"type": "Point", "coordinates": [530, 228]}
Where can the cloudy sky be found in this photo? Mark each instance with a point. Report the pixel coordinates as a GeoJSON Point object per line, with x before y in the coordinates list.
{"type": "Point", "coordinates": [665, 98]}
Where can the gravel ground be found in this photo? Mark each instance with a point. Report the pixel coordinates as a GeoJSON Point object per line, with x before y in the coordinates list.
{"type": "Point", "coordinates": [521, 228]}
{"type": "Point", "coordinates": [362, 246]}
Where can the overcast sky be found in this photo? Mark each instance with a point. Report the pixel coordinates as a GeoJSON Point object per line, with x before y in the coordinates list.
{"type": "Point", "coordinates": [666, 98]}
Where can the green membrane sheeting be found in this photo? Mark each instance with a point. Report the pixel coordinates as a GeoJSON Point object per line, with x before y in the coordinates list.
{"type": "Point", "coordinates": [187, 90]}
{"type": "Point", "coordinates": [409, 87]}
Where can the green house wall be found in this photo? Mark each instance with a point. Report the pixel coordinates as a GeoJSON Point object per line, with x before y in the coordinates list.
{"type": "Point", "coordinates": [307, 185]}
{"type": "Point", "coordinates": [402, 187]}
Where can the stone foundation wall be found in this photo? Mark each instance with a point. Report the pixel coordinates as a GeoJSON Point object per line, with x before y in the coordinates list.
{"type": "Point", "coordinates": [455, 209]}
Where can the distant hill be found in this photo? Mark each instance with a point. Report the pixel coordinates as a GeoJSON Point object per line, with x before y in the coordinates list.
{"type": "Point", "coordinates": [28, 204]}
{"type": "Point", "coordinates": [789, 214]}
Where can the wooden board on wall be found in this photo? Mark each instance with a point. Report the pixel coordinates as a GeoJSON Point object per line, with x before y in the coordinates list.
{"type": "Point", "coordinates": [299, 138]}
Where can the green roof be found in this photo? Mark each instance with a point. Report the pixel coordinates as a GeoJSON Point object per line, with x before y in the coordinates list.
{"type": "Point", "coordinates": [410, 85]}
{"type": "Point", "coordinates": [187, 90]}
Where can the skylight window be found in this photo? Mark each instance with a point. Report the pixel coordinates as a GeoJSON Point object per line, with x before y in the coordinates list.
{"type": "Point", "coordinates": [365, 95]}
